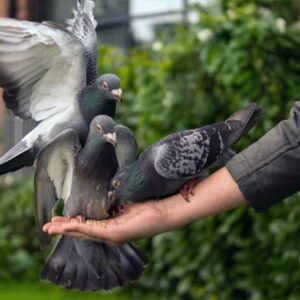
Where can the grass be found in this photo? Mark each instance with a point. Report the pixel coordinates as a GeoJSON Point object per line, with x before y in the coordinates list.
{"type": "Point", "coordinates": [46, 291]}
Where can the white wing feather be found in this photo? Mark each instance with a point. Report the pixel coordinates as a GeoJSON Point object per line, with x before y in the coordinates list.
{"type": "Point", "coordinates": [42, 68]}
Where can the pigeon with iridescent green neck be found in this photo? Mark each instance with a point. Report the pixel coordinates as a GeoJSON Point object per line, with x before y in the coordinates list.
{"type": "Point", "coordinates": [176, 162]}
{"type": "Point", "coordinates": [80, 176]}
{"type": "Point", "coordinates": [49, 74]}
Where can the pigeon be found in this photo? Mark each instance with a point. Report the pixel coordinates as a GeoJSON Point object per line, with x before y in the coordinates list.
{"type": "Point", "coordinates": [49, 74]}
{"type": "Point", "coordinates": [126, 147]}
{"type": "Point", "coordinates": [176, 162]}
{"type": "Point", "coordinates": [80, 176]}
{"type": "Point", "coordinates": [48, 205]}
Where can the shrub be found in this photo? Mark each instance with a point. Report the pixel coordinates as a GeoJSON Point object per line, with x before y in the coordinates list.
{"type": "Point", "coordinates": [239, 52]}
{"type": "Point", "coordinates": [20, 254]}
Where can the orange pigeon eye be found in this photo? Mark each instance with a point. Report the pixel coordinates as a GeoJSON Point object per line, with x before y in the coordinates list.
{"type": "Point", "coordinates": [105, 86]}
{"type": "Point", "coordinates": [99, 128]}
{"type": "Point", "coordinates": [116, 184]}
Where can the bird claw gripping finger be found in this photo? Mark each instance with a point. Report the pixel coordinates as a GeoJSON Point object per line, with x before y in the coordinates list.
{"type": "Point", "coordinates": [80, 218]}
{"type": "Point", "coordinates": [118, 211]}
{"type": "Point", "coordinates": [187, 189]}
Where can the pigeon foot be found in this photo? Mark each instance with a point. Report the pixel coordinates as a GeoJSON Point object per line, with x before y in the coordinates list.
{"type": "Point", "coordinates": [80, 218]}
{"type": "Point", "coordinates": [118, 211]}
{"type": "Point", "coordinates": [187, 189]}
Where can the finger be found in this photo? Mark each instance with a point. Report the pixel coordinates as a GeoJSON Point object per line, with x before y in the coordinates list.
{"type": "Point", "coordinates": [73, 231]}
{"type": "Point", "coordinates": [58, 230]}
{"type": "Point", "coordinates": [92, 229]}
{"type": "Point", "coordinates": [46, 227]}
{"type": "Point", "coordinates": [60, 219]}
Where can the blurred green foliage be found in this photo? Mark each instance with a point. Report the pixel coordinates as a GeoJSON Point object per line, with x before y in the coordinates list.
{"type": "Point", "coordinates": [246, 53]}
{"type": "Point", "coordinates": [46, 291]}
{"type": "Point", "coordinates": [238, 52]}
{"type": "Point", "coordinates": [20, 256]}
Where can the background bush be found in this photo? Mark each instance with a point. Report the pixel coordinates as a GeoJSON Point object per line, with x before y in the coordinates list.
{"type": "Point", "coordinates": [20, 256]}
{"type": "Point", "coordinates": [239, 52]}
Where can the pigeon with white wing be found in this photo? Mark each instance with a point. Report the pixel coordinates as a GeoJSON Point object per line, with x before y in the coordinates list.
{"type": "Point", "coordinates": [80, 176]}
{"type": "Point", "coordinates": [49, 74]}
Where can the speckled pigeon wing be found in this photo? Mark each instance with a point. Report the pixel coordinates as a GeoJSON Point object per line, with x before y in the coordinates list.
{"type": "Point", "coordinates": [53, 177]}
{"type": "Point", "coordinates": [42, 68]}
{"type": "Point", "coordinates": [186, 154]}
{"type": "Point", "coordinates": [83, 25]}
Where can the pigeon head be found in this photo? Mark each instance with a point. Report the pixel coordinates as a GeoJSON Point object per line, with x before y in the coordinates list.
{"type": "Point", "coordinates": [117, 188]}
{"type": "Point", "coordinates": [110, 84]}
{"type": "Point", "coordinates": [100, 143]}
{"type": "Point", "coordinates": [100, 98]}
{"type": "Point", "coordinates": [127, 184]}
{"type": "Point", "coordinates": [104, 126]}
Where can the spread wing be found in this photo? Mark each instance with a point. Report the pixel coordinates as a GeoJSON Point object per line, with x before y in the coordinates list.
{"type": "Point", "coordinates": [83, 25]}
{"type": "Point", "coordinates": [54, 175]}
{"type": "Point", "coordinates": [42, 68]}
{"type": "Point", "coordinates": [185, 154]}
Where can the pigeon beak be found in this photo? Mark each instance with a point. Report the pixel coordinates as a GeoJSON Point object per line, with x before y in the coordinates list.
{"type": "Point", "coordinates": [111, 138]}
{"type": "Point", "coordinates": [110, 196]}
{"type": "Point", "coordinates": [117, 94]}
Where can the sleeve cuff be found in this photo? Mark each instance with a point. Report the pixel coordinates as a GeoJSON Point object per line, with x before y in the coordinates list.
{"type": "Point", "coordinates": [238, 168]}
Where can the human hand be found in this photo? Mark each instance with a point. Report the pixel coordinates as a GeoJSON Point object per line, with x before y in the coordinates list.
{"type": "Point", "coordinates": [137, 221]}
{"type": "Point", "coordinates": [215, 194]}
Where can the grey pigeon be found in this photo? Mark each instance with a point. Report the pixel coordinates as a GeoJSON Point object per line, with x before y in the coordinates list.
{"type": "Point", "coordinates": [126, 150]}
{"type": "Point", "coordinates": [126, 147]}
{"type": "Point", "coordinates": [177, 161]}
{"type": "Point", "coordinates": [80, 176]}
{"type": "Point", "coordinates": [48, 74]}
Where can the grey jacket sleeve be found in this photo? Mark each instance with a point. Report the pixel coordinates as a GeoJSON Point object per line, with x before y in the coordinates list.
{"type": "Point", "coordinates": [269, 170]}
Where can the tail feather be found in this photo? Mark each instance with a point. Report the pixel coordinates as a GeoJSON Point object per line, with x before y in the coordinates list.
{"type": "Point", "coordinates": [88, 265]}
{"type": "Point", "coordinates": [17, 157]}
{"type": "Point", "coordinates": [244, 120]}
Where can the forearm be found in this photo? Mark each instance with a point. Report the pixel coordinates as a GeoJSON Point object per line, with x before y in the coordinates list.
{"type": "Point", "coordinates": [217, 193]}
{"type": "Point", "coordinates": [269, 170]}
{"type": "Point", "coordinates": [213, 195]}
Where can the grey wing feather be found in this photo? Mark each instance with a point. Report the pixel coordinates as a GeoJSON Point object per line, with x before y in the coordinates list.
{"type": "Point", "coordinates": [83, 26]}
{"type": "Point", "coordinates": [222, 160]}
{"type": "Point", "coordinates": [187, 153]}
{"type": "Point", "coordinates": [126, 148]}
{"type": "Point", "coordinates": [44, 200]}
{"type": "Point", "coordinates": [183, 157]}
{"type": "Point", "coordinates": [40, 64]}
{"type": "Point", "coordinates": [53, 178]}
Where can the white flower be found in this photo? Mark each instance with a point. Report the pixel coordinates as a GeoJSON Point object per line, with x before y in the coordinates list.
{"type": "Point", "coordinates": [157, 46]}
{"type": "Point", "coordinates": [231, 14]}
{"type": "Point", "coordinates": [265, 12]}
{"type": "Point", "coordinates": [281, 25]}
{"type": "Point", "coordinates": [205, 35]}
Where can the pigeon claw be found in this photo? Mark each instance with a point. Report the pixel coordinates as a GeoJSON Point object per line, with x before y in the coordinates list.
{"type": "Point", "coordinates": [187, 189]}
{"type": "Point", "coordinates": [117, 211]}
{"type": "Point", "coordinates": [80, 218]}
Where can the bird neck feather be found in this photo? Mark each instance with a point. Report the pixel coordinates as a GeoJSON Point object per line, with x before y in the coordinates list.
{"type": "Point", "coordinates": [137, 183]}
{"type": "Point", "coordinates": [93, 102]}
